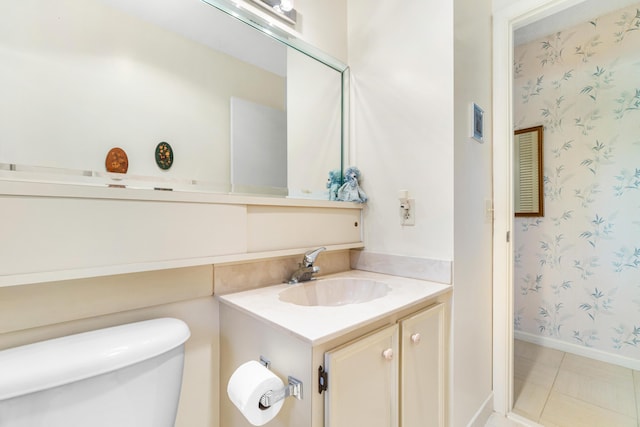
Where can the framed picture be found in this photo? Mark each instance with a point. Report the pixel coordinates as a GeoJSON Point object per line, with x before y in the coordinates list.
{"type": "Point", "coordinates": [528, 182]}
{"type": "Point", "coordinates": [477, 123]}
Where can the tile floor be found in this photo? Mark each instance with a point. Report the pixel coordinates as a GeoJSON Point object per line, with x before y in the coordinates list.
{"type": "Point", "coordinates": [497, 420]}
{"type": "Point", "coordinates": [553, 388]}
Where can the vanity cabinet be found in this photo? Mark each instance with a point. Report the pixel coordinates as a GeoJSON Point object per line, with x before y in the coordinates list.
{"type": "Point", "coordinates": [377, 363]}
{"type": "Point", "coordinates": [391, 377]}
{"type": "Point", "coordinates": [363, 382]}
{"type": "Point", "coordinates": [423, 368]}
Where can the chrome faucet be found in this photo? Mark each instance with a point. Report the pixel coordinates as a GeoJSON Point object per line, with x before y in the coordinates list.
{"type": "Point", "coordinates": [306, 269]}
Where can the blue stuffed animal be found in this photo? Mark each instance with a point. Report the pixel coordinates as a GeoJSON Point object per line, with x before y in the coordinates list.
{"type": "Point", "coordinates": [333, 183]}
{"type": "Point", "coordinates": [350, 190]}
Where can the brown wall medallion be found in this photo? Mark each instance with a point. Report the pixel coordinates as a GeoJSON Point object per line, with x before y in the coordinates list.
{"type": "Point", "coordinates": [117, 161]}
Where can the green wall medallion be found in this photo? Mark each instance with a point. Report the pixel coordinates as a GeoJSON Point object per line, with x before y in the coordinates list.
{"type": "Point", "coordinates": [164, 155]}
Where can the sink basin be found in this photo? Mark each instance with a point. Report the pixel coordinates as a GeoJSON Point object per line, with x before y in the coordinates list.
{"type": "Point", "coordinates": [334, 292]}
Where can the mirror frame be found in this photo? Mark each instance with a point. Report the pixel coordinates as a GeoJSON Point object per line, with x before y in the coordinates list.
{"type": "Point", "coordinates": [291, 38]}
{"type": "Point", "coordinates": [525, 170]}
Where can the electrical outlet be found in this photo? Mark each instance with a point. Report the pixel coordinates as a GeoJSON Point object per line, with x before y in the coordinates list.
{"type": "Point", "coordinates": [407, 214]}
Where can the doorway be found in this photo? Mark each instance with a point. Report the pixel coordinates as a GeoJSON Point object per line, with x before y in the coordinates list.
{"type": "Point", "coordinates": [506, 22]}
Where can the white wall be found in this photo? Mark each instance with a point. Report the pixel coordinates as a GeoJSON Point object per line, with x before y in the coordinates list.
{"type": "Point", "coordinates": [323, 24]}
{"type": "Point", "coordinates": [410, 127]}
{"type": "Point", "coordinates": [402, 122]}
{"type": "Point", "coordinates": [472, 274]}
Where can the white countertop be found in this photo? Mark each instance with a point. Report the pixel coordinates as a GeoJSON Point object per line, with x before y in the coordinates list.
{"type": "Point", "coordinates": [318, 324]}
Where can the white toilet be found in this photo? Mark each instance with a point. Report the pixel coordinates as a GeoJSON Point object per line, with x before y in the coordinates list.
{"type": "Point", "coordinates": [125, 376]}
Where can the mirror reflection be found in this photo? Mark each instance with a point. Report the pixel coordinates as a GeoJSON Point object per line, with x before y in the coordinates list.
{"type": "Point", "coordinates": [80, 77]}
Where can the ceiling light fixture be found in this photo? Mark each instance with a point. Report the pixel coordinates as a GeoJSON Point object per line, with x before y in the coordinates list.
{"type": "Point", "coordinates": [283, 9]}
{"type": "Point", "coordinates": [286, 5]}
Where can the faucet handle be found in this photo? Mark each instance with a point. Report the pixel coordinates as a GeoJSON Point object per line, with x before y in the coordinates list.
{"type": "Point", "coordinates": [310, 256]}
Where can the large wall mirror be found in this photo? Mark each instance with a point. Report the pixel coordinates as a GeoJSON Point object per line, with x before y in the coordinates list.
{"type": "Point", "coordinates": [241, 110]}
{"type": "Point", "coordinates": [527, 172]}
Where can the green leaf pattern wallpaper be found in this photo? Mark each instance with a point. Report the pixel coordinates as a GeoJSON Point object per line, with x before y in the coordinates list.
{"type": "Point", "coordinates": [577, 269]}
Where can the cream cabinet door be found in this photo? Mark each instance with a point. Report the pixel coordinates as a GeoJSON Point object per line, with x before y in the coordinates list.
{"type": "Point", "coordinates": [422, 368]}
{"type": "Point", "coordinates": [363, 382]}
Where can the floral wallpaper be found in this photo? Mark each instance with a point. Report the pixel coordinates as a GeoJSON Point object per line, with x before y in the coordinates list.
{"type": "Point", "coordinates": [577, 269]}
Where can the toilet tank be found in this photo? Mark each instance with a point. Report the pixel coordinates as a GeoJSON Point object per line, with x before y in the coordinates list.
{"type": "Point", "coordinates": [125, 376]}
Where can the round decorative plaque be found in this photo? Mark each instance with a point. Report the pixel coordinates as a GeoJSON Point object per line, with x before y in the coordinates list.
{"type": "Point", "coordinates": [117, 161]}
{"type": "Point", "coordinates": [164, 155]}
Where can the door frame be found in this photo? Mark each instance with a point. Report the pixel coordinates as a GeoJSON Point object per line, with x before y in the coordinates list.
{"type": "Point", "coordinates": [505, 20]}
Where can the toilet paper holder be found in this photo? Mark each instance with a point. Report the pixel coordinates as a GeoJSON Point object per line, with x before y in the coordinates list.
{"type": "Point", "coordinates": [294, 388]}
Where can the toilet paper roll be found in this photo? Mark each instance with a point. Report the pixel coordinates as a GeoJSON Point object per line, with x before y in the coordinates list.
{"type": "Point", "coordinates": [247, 384]}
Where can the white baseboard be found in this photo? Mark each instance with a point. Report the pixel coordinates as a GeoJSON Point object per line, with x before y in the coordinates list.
{"type": "Point", "coordinates": [579, 350]}
{"type": "Point", "coordinates": [481, 417]}
{"type": "Point", "coordinates": [526, 422]}
{"type": "Point", "coordinates": [511, 420]}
